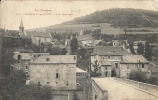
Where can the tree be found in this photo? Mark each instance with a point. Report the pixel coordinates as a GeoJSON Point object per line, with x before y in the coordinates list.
{"type": "Point", "coordinates": [148, 52]}
{"type": "Point", "coordinates": [34, 92]}
{"type": "Point", "coordinates": [7, 57]}
{"type": "Point", "coordinates": [12, 83]}
{"type": "Point", "coordinates": [75, 96]}
{"type": "Point", "coordinates": [140, 49]}
{"type": "Point", "coordinates": [15, 88]}
{"type": "Point", "coordinates": [63, 51]}
{"type": "Point", "coordinates": [131, 48]}
{"type": "Point", "coordinates": [74, 46]}
{"type": "Point", "coordinates": [81, 53]}
{"type": "Point", "coordinates": [94, 73]}
{"type": "Point", "coordinates": [138, 75]}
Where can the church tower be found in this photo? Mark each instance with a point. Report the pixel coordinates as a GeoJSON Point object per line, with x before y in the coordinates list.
{"type": "Point", "coordinates": [21, 29]}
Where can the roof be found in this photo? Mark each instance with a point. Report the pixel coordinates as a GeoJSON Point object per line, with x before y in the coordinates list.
{"type": "Point", "coordinates": [38, 34]}
{"type": "Point", "coordinates": [103, 62]}
{"type": "Point", "coordinates": [95, 42]}
{"type": "Point", "coordinates": [26, 56]}
{"type": "Point", "coordinates": [55, 59]}
{"type": "Point", "coordinates": [29, 56]}
{"type": "Point", "coordinates": [109, 50]}
{"type": "Point", "coordinates": [85, 37]}
{"type": "Point", "coordinates": [134, 59]}
{"type": "Point", "coordinates": [22, 50]}
{"type": "Point", "coordinates": [78, 70]}
{"type": "Point", "coordinates": [136, 42]}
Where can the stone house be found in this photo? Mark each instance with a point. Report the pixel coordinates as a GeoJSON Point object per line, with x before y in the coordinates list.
{"type": "Point", "coordinates": [104, 69]}
{"type": "Point", "coordinates": [133, 62]}
{"type": "Point", "coordinates": [40, 37]}
{"type": "Point", "coordinates": [112, 54]}
{"type": "Point", "coordinates": [23, 58]}
{"type": "Point", "coordinates": [57, 71]}
{"type": "Point", "coordinates": [135, 45]}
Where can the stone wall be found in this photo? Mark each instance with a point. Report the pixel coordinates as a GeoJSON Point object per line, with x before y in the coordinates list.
{"type": "Point", "coordinates": [98, 93]}
{"type": "Point", "coordinates": [153, 89]}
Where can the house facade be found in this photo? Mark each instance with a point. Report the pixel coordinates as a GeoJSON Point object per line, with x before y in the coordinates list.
{"type": "Point", "coordinates": [133, 62]}
{"type": "Point", "coordinates": [23, 58]}
{"type": "Point", "coordinates": [85, 39]}
{"type": "Point", "coordinates": [57, 71]}
{"type": "Point", "coordinates": [104, 69]}
{"type": "Point", "coordinates": [39, 37]}
{"type": "Point", "coordinates": [135, 45]}
{"type": "Point", "coordinates": [106, 54]}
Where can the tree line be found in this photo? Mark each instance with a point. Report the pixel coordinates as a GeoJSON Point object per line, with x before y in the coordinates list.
{"type": "Point", "coordinates": [13, 82]}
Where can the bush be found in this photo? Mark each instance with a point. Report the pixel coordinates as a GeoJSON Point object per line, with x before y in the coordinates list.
{"type": "Point", "coordinates": [138, 75]}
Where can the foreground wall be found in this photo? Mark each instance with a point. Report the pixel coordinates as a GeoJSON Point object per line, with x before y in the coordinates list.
{"type": "Point", "coordinates": [98, 93]}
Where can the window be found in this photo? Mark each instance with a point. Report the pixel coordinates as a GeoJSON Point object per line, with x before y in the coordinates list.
{"type": "Point", "coordinates": [18, 61]}
{"type": "Point", "coordinates": [26, 73]}
{"type": "Point", "coordinates": [105, 68]}
{"type": "Point", "coordinates": [106, 74]}
{"type": "Point", "coordinates": [57, 75]}
{"type": "Point", "coordinates": [47, 83]}
{"type": "Point", "coordinates": [39, 83]}
{"type": "Point", "coordinates": [116, 65]}
{"type": "Point", "coordinates": [47, 59]}
{"type": "Point", "coordinates": [108, 57]}
{"type": "Point", "coordinates": [95, 96]}
{"type": "Point", "coordinates": [26, 67]}
{"type": "Point", "coordinates": [74, 57]}
{"type": "Point", "coordinates": [19, 57]}
{"type": "Point", "coordinates": [103, 57]}
{"type": "Point", "coordinates": [142, 65]}
{"type": "Point", "coordinates": [67, 83]}
{"type": "Point", "coordinates": [18, 67]}
{"type": "Point", "coordinates": [39, 55]}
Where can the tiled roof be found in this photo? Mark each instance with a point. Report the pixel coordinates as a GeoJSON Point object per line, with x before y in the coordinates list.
{"type": "Point", "coordinates": [85, 37]}
{"type": "Point", "coordinates": [29, 56]}
{"type": "Point", "coordinates": [38, 34]}
{"type": "Point", "coordinates": [55, 59]}
{"type": "Point", "coordinates": [78, 70]}
{"type": "Point", "coordinates": [134, 59]}
{"type": "Point", "coordinates": [109, 50]}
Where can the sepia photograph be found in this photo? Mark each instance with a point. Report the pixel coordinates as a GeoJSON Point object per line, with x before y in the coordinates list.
{"type": "Point", "coordinates": [79, 50]}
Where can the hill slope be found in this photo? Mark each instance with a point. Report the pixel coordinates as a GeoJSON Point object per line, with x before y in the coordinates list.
{"type": "Point", "coordinates": [121, 17]}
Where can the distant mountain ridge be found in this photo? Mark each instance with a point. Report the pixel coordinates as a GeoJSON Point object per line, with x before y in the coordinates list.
{"type": "Point", "coordinates": [120, 17]}
{"type": "Point", "coordinates": [116, 17]}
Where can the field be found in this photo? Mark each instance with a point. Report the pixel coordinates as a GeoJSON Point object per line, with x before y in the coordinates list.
{"type": "Point", "coordinates": [105, 29]}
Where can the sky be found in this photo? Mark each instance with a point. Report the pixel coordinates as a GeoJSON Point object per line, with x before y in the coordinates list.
{"type": "Point", "coordinates": [57, 12]}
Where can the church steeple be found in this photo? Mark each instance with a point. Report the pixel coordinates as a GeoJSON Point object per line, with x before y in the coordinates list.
{"type": "Point", "coordinates": [21, 29]}
{"type": "Point", "coordinates": [21, 24]}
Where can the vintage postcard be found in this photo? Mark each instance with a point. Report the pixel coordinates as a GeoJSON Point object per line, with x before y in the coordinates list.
{"type": "Point", "coordinates": [79, 49]}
